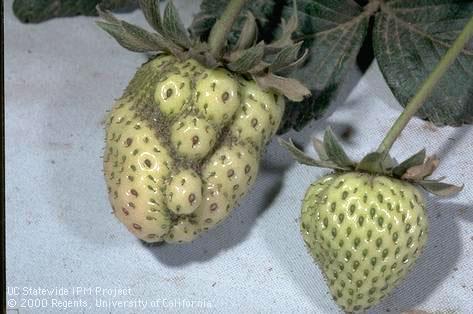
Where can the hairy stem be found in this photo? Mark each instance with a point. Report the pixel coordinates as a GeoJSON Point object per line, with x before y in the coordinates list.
{"type": "Point", "coordinates": [418, 100]}
{"type": "Point", "coordinates": [222, 27]}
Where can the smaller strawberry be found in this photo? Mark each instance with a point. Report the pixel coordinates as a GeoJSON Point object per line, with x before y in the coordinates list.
{"type": "Point", "coordinates": [365, 224]}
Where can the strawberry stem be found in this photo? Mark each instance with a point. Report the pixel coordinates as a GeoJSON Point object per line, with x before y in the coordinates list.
{"type": "Point", "coordinates": [428, 85]}
{"type": "Point", "coordinates": [222, 27]}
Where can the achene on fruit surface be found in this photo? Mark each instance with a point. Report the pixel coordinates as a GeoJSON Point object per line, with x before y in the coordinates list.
{"type": "Point", "coordinates": [365, 231]}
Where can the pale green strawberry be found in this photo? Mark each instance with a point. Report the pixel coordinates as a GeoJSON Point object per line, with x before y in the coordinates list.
{"type": "Point", "coordinates": [193, 137]}
{"type": "Point", "coordinates": [365, 232]}
{"type": "Point", "coordinates": [185, 229]}
{"type": "Point", "coordinates": [136, 164]}
{"type": "Point", "coordinates": [258, 117]}
{"type": "Point", "coordinates": [217, 96]}
{"type": "Point", "coordinates": [173, 93]}
{"type": "Point", "coordinates": [365, 224]}
{"type": "Point", "coordinates": [214, 208]}
{"type": "Point", "coordinates": [171, 169]}
{"type": "Point", "coordinates": [232, 170]}
{"type": "Point", "coordinates": [184, 142]}
{"type": "Point", "coordinates": [183, 192]}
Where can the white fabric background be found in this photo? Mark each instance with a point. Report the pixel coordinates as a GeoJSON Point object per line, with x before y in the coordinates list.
{"type": "Point", "coordinates": [60, 78]}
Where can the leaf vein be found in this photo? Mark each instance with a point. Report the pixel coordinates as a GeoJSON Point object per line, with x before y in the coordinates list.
{"type": "Point", "coordinates": [430, 6]}
{"type": "Point", "coordinates": [349, 35]}
{"type": "Point", "coordinates": [323, 6]}
{"type": "Point", "coordinates": [314, 17]}
{"type": "Point", "coordinates": [347, 24]}
{"type": "Point", "coordinates": [414, 29]}
{"type": "Point", "coordinates": [401, 50]}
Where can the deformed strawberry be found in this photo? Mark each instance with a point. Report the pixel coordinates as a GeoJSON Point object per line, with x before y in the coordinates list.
{"type": "Point", "coordinates": [183, 143]}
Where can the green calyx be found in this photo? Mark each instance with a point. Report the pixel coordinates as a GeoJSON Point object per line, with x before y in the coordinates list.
{"type": "Point", "coordinates": [258, 60]}
{"type": "Point", "coordinates": [415, 169]}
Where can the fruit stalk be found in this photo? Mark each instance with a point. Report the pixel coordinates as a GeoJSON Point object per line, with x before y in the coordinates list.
{"type": "Point", "coordinates": [223, 25]}
{"type": "Point", "coordinates": [426, 88]}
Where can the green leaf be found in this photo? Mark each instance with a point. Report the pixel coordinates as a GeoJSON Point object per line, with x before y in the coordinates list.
{"type": "Point", "coordinates": [415, 160]}
{"type": "Point", "coordinates": [152, 14]}
{"type": "Point", "coordinates": [36, 11]}
{"type": "Point", "coordinates": [334, 150]}
{"type": "Point", "coordinates": [247, 59]}
{"type": "Point", "coordinates": [440, 188]}
{"type": "Point", "coordinates": [173, 27]}
{"type": "Point", "coordinates": [302, 158]}
{"type": "Point", "coordinates": [333, 31]}
{"type": "Point", "coordinates": [410, 37]}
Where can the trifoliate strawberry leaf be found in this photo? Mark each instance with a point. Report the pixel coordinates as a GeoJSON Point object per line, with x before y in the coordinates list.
{"type": "Point", "coordinates": [440, 188]}
{"type": "Point", "coordinates": [414, 160]}
{"type": "Point", "coordinates": [333, 31]}
{"type": "Point", "coordinates": [410, 37]}
{"type": "Point", "coordinates": [35, 11]}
